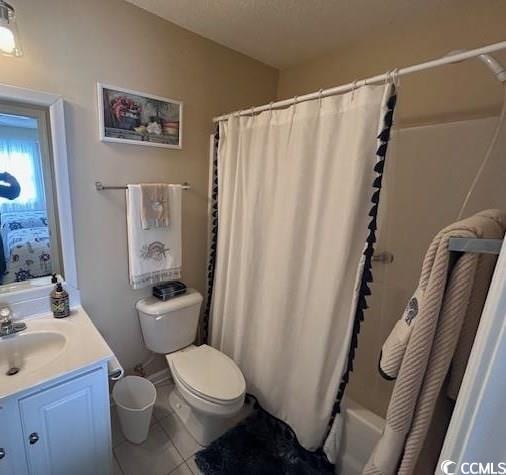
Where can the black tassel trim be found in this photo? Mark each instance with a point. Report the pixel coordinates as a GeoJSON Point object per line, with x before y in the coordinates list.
{"type": "Point", "coordinates": [377, 182]}
{"type": "Point", "coordinates": [364, 289]}
{"type": "Point", "coordinates": [362, 303]}
{"type": "Point", "coordinates": [391, 103]}
{"type": "Point", "coordinates": [382, 150]}
{"type": "Point", "coordinates": [384, 135]}
{"type": "Point", "coordinates": [213, 246]}
{"type": "Point", "coordinates": [380, 165]}
{"type": "Point", "coordinates": [369, 251]}
{"type": "Point", "coordinates": [367, 276]}
{"type": "Point", "coordinates": [388, 119]}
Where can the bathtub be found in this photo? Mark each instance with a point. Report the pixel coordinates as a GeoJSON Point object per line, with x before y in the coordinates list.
{"type": "Point", "coordinates": [362, 429]}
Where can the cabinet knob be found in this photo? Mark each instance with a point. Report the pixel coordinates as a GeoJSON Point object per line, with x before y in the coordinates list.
{"type": "Point", "coordinates": [33, 438]}
{"type": "Point", "coordinates": [2, 453]}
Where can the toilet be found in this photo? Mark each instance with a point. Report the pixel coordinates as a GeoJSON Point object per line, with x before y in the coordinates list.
{"type": "Point", "coordinates": [209, 387]}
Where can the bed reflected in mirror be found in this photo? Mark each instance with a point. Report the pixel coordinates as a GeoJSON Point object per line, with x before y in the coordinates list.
{"type": "Point", "coordinates": [27, 213]}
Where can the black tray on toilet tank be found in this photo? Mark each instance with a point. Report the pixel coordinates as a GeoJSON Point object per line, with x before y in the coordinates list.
{"type": "Point", "coordinates": [169, 290]}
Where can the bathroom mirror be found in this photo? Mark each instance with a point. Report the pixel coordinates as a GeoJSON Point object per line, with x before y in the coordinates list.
{"type": "Point", "coordinates": [36, 230]}
{"type": "Point", "coordinates": [28, 216]}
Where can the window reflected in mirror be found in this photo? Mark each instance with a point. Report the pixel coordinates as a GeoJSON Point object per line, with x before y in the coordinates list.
{"type": "Point", "coordinates": [28, 228]}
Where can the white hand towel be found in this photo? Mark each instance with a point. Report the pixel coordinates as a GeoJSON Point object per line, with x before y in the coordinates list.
{"type": "Point", "coordinates": [154, 255]}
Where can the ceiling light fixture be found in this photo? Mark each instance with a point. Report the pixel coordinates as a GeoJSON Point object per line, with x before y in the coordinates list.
{"type": "Point", "coordinates": [9, 36]}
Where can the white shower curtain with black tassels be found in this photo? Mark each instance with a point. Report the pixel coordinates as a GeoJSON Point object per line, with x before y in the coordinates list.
{"type": "Point", "coordinates": [294, 205]}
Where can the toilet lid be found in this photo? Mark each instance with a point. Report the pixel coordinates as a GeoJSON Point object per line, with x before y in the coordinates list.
{"type": "Point", "coordinates": [210, 373]}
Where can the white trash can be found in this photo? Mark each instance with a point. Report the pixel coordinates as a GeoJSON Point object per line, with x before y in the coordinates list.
{"type": "Point", "coordinates": [134, 397]}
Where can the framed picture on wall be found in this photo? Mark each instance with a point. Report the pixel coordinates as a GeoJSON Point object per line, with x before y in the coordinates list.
{"type": "Point", "coordinates": [139, 118]}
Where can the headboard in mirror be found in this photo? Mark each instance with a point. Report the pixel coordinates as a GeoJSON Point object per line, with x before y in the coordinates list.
{"type": "Point", "coordinates": [36, 231]}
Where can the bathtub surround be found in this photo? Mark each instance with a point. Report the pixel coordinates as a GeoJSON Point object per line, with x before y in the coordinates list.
{"type": "Point", "coordinates": [452, 300]}
{"type": "Point", "coordinates": [362, 430]}
{"type": "Point", "coordinates": [303, 255]}
{"type": "Point", "coordinates": [68, 47]}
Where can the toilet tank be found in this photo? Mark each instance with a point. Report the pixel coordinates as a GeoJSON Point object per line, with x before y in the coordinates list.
{"type": "Point", "coordinates": [171, 325]}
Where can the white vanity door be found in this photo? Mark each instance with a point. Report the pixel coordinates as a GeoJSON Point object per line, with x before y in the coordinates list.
{"type": "Point", "coordinates": [66, 428]}
{"type": "Point", "coordinates": [8, 453]}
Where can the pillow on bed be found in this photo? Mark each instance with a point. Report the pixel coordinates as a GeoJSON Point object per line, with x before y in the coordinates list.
{"type": "Point", "coordinates": [23, 219]}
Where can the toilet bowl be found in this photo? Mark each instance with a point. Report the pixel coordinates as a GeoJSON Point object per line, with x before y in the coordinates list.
{"type": "Point", "coordinates": [209, 387]}
{"type": "Point", "coordinates": [210, 391]}
{"type": "Point", "coordinates": [208, 379]}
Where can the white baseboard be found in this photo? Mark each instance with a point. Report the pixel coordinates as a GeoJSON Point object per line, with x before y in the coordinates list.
{"type": "Point", "coordinates": [161, 376]}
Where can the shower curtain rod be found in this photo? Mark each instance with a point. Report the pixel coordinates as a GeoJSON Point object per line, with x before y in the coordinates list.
{"type": "Point", "coordinates": [454, 58]}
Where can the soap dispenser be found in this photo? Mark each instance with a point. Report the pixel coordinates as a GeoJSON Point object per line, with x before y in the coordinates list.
{"type": "Point", "coordinates": [60, 305]}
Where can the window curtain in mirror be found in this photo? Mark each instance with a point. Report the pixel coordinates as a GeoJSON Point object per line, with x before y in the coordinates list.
{"type": "Point", "coordinates": [21, 158]}
{"type": "Point", "coordinates": [294, 231]}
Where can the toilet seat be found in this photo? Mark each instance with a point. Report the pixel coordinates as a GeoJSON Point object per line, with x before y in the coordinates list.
{"type": "Point", "coordinates": [208, 374]}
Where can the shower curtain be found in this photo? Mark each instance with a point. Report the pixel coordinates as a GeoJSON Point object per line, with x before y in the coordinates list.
{"type": "Point", "coordinates": [295, 224]}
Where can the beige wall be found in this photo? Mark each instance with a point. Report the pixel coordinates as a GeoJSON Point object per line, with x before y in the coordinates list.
{"type": "Point", "coordinates": [69, 45]}
{"type": "Point", "coordinates": [452, 92]}
{"type": "Point", "coordinates": [429, 168]}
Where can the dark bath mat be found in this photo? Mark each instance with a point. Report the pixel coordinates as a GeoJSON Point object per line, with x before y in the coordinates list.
{"type": "Point", "coordinates": [261, 445]}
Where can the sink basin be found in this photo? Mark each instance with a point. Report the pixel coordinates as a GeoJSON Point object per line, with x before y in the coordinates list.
{"type": "Point", "coordinates": [26, 352]}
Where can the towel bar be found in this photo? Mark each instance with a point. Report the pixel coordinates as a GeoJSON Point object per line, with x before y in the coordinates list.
{"type": "Point", "coordinates": [475, 245]}
{"type": "Point", "coordinates": [456, 244]}
{"type": "Point", "coordinates": [100, 186]}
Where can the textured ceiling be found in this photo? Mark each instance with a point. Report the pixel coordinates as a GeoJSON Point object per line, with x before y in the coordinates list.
{"type": "Point", "coordinates": [282, 33]}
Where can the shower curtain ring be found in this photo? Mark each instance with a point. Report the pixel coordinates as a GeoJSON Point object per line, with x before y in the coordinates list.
{"type": "Point", "coordinates": [392, 77]}
{"type": "Point", "coordinates": [388, 76]}
{"type": "Point", "coordinates": [395, 77]}
{"type": "Point", "coordinates": [353, 87]}
{"type": "Point", "coordinates": [320, 95]}
{"type": "Point", "coordinates": [295, 100]}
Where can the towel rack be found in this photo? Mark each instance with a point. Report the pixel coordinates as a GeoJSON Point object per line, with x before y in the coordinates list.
{"type": "Point", "coordinates": [100, 186]}
{"type": "Point", "coordinates": [456, 244]}
{"type": "Point", "coordinates": [475, 245]}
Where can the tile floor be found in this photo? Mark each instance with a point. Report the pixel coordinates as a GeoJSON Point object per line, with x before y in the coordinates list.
{"type": "Point", "coordinates": [169, 449]}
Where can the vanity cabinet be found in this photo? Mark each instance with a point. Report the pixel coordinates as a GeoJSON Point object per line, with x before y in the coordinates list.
{"type": "Point", "coordinates": [6, 446]}
{"type": "Point", "coordinates": [60, 429]}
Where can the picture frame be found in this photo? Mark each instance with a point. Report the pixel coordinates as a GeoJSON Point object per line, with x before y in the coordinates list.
{"type": "Point", "coordinates": [138, 118]}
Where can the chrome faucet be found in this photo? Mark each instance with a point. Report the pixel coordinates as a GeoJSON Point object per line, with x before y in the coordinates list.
{"type": "Point", "coordinates": [7, 326]}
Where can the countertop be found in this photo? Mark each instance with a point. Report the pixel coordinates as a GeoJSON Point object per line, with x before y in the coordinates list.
{"type": "Point", "coordinates": [83, 347]}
